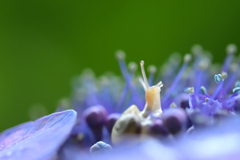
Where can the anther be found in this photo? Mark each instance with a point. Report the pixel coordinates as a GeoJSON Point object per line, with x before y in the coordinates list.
{"type": "Point", "coordinates": [173, 105]}
{"type": "Point", "coordinates": [224, 75]}
{"type": "Point", "coordinates": [189, 90]}
{"type": "Point", "coordinates": [197, 49]}
{"type": "Point", "coordinates": [203, 90]}
{"type": "Point", "coordinates": [203, 64]}
{"type": "Point", "coordinates": [231, 49]}
{"type": "Point", "coordinates": [218, 78]}
{"type": "Point", "coordinates": [152, 69]}
{"type": "Point", "coordinates": [132, 66]}
{"type": "Point", "coordinates": [120, 55]}
{"type": "Point", "coordinates": [206, 99]}
{"type": "Point", "coordinates": [187, 58]}
{"type": "Point", "coordinates": [236, 90]}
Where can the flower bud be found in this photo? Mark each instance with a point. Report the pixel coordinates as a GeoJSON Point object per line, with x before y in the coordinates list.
{"type": "Point", "coordinates": [175, 120]}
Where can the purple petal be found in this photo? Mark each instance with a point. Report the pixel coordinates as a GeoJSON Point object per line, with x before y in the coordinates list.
{"type": "Point", "coordinates": [38, 140]}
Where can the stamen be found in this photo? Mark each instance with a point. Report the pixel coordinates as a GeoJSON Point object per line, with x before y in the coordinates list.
{"type": "Point", "coordinates": [187, 58]}
{"type": "Point", "coordinates": [144, 74]}
{"type": "Point", "coordinates": [228, 86]}
{"type": "Point", "coordinates": [219, 78]}
{"type": "Point", "coordinates": [123, 67]}
{"type": "Point", "coordinates": [152, 69]}
{"type": "Point", "coordinates": [203, 64]}
{"type": "Point", "coordinates": [219, 87]}
{"type": "Point", "coordinates": [231, 50]}
{"type": "Point", "coordinates": [132, 67]}
{"type": "Point", "coordinates": [124, 94]}
{"type": "Point", "coordinates": [120, 55]}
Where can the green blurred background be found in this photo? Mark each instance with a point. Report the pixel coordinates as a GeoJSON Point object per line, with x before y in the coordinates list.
{"type": "Point", "coordinates": [44, 43]}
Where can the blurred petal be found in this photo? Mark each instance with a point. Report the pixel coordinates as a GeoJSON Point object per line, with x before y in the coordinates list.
{"type": "Point", "coordinates": [38, 140]}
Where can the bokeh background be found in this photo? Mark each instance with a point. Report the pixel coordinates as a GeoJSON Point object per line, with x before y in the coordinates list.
{"type": "Point", "coordinates": [43, 43]}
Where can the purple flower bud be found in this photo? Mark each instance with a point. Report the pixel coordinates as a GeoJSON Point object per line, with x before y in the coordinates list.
{"type": "Point", "coordinates": [158, 129]}
{"type": "Point", "coordinates": [111, 120]}
{"type": "Point", "coordinates": [175, 120]}
{"type": "Point", "coordinates": [96, 117]}
{"type": "Point", "coordinates": [184, 104]}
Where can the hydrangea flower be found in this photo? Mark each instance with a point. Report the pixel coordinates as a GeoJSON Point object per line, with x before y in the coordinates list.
{"type": "Point", "coordinates": [183, 112]}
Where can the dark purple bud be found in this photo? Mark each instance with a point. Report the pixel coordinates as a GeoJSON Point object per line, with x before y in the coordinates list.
{"type": "Point", "coordinates": [96, 117]}
{"type": "Point", "coordinates": [158, 129]}
{"type": "Point", "coordinates": [184, 104]}
{"type": "Point", "coordinates": [111, 120]}
{"type": "Point", "coordinates": [175, 120]}
{"type": "Point", "coordinates": [100, 147]}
